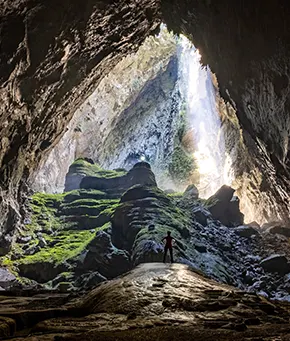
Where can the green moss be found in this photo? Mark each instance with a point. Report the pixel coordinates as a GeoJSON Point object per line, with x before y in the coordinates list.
{"type": "Point", "coordinates": [109, 211]}
{"type": "Point", "coordinates": [47, 199]}
{"type": "Point", "coordinates": [44, 212]}
{"type": "Point", "coordinates": [69, 245]}
{"type": "Point", "coordinates": [81, 166]}
{"type": "Point", "coordinates": [84, 194]}
{"type": "Point", "coordinates": [90, 202]}
{"type": "Point", "coordinates": [175, 195]}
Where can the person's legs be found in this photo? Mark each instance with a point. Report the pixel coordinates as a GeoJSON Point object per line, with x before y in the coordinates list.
{"type": "Point", "coordinates": [165, 254]}
{"type": "Point", "coordinates": [171, 255]}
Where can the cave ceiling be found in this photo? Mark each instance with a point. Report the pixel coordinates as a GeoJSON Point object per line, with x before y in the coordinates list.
{"type": "Point", "coordinates": [54, 54]}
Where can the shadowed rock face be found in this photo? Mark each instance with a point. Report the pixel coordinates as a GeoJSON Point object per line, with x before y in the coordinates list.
{"type": "Point", "coordinates": [52, 57]}
{"type": "Point", "coordinates": [152, 301]}
{"type": "Point", "coordinates": [225, 208]}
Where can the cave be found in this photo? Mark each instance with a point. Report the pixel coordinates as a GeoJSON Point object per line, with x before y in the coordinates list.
{"type": "Point", "coordinates": [120, 121]}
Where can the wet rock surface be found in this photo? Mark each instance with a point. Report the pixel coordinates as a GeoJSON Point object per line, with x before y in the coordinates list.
{"type": "Point", "coordinates": [154, 300]}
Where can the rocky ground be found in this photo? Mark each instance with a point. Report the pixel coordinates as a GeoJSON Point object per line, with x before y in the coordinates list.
{"type": "Point", "coordinates": [152, 302]}
{"type": "Point", "coordinates": [107, 222]}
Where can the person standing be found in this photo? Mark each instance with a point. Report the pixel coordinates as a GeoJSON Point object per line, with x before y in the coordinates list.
{"type": "Point", "coordinates": [168, 246]}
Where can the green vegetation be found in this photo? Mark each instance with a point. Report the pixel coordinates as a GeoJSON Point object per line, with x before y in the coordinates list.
{"type": "Point", "coordinates": [44, 207]}
{"type": "Point", "coordinates": [166, 217]}
{"type": "Point", "coordinates": [82, 166]}
{"type": "Point", "coordinates": [61, 226]}
{"type": "Point", "coordinates": [175, 195]}
{"type": "Point", "coordinates": [68, 245]}
{"type": "Point", "coordinates": [83, 194]}
{"type": "Point", "coordinates": [181, 166]}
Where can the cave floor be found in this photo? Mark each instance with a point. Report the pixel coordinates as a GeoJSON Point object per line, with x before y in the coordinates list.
{"type": "Point", "coordinates": [152, 302]}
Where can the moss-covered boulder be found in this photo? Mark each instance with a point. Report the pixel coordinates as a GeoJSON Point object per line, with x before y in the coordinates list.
{"type": "Point", "coordinates": [140, 174]}
{"type": "Point", "coordinates": [84, 167]}
{"type": "Point", "coordinates": [58, 230]}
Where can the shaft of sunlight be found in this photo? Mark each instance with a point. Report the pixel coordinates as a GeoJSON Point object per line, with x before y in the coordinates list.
{"type": "Point", "coordinates": [213, 165]}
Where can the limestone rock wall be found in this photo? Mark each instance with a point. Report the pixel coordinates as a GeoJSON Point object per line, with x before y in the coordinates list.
{"type": "Point", "coordinates": [53, 55]}
{"type": "Point", "coordinates": [124, 116]}
{"type": "Point", "coordinates": [247, 47]}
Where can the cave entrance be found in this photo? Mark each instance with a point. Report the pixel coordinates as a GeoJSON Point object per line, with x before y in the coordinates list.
{"type": "Point", "coordinates": [160, 105]}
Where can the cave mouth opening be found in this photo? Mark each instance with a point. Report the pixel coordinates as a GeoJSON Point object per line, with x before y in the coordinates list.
{"type": "Point", "coordinates": [159, 105]}
{"type": "Point", "coordinates": [179, 130]}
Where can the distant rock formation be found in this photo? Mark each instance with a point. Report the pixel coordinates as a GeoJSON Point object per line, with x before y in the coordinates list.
{"type": "Point", "coordinates": [87, 175]}
{"type": "Point", "coordinates": [225, 207]}
{"type": "Point", "coordinates": [140, 174]}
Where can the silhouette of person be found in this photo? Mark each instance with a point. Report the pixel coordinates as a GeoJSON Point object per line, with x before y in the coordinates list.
{"type": "Point", "coordinates": [168, 246]}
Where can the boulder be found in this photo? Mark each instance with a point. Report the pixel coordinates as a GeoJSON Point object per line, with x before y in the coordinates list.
{"type": "Point", "coordinates": [141, 174]}
{"type": "Point", "coordinates": [41, 272]}
{"type": "Point", "coordinates": [266, 226]}
{"type": "Point", "coordinates": [31, 250]}
{"type": "Point", "coordinates": [191, 192]}
{"type": "Point", "coordinates": [138, 207]}
{"type": "Point", "coordinates": [225, 207]}
{"type": "Point", "coordinates": [7, 279]}
{"type": "Point", "coordinates": [200, 248]}
{"type": "Point", "coordinates": [201, 215]}
{"type": "Point", "coordinates": [23, 239]}
{"type": "Point", "coordinates": [224, 194]}
{"type": "Point", "coordinates": [63, 277]}
{"type": "Point", "coordinates": [147, 251]}
{"type": "Point", "coordinates": [276, 263]}
{"type": "Point", "coordinates": [77, 171]}
{"type": "Point", "coordinates": [246, 231]}
{"type": "Point", "coordinates": [279, 229]}
{"type": "Point", "coordinates": [42, 242]}
{"type": "Point", "coordinates": [89, 280]}
{"type": "Point", "coordinates": [64, 287]}
{"type": "Point", "coordinates": [253, 224]}
{"type": "Point", "coordinates": [103, 257]}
